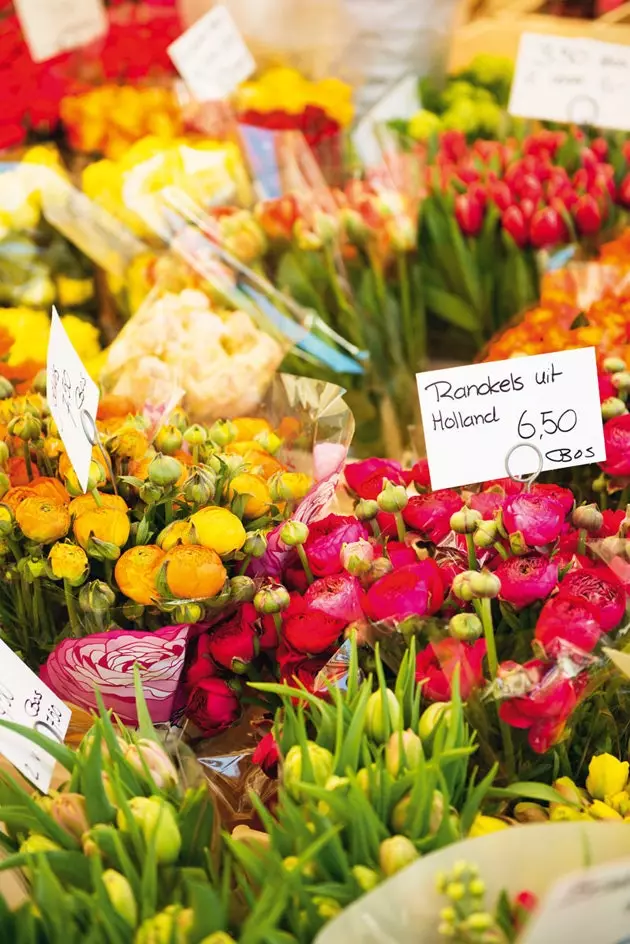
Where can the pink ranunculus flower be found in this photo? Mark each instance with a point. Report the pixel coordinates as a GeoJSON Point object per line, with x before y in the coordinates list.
{"type": "Point", "coordinates": [601, 590]}
{"type": "Point", "coordinates": [488, 503]}
{"type": "Point", "coordinates": [538, 518]}
{"type": "Point", "coordinates": [564, 496]}
{"type": "Point", "coordinates": [366, 478]}
{"type": "Point", "coordinates": [400, 553]}
{"type": "Point", "coordinates": [338, 596]}
{"type": "Point", "coordinates": [412, 590]}
{"type": "Point", "coordinates": [326, 539]}
{"type": "Point", "coordinates": [617, 443]}
{"type": "Point", "coordinates": [526, 580]}
{"type": "Point", "coordinates": [430, 514]}
{"type": "Point", "coordinates": [106, 660]}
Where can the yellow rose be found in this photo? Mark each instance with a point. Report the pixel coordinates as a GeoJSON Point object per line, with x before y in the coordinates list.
{"type": "Point", "coordinates": [69, 562]}
{"type": "Point", "coordinates": [606, 776]}
{"type": "Point", "coordinates": [218, 529]}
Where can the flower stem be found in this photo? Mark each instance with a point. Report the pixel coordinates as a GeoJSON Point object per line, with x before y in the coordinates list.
{"type": "Point", "coordinates": [473, 564]}
{"type": "Point", "coordinates": [27, 460]}
{"type": "Point", "coordinates": [623, 501]}
{"type": "Point", "coordinates": [603, 500]}
{"type": "Point", "coordinates": [501, 551]}
{"type": "Point", "coordinates": [376, 531]}
{"type": "Point", "coordinates": [243, 568]}
{"type": "Point", "coordinates": [305, 563]}
{"type": "Point", "coordinates": [277, 619]}
{"type": "Point", "coordinates": [484, 612]}
{"type": "Point", "coordinates": [400, 527]}
{"type": "Point", "coordinates": [581, 544]}
{"type": "Point", "coordinates": [195, 455]}
{"type": "Point", "coordinates": [168, 512]}
{"type": "Point", "coordinates": [75, 624]}
{"type": "Point", "coordinates": [97, 498]}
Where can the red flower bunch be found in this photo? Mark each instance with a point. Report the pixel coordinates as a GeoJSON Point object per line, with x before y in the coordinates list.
{"type": "Point", "coordinates": [435, 666]}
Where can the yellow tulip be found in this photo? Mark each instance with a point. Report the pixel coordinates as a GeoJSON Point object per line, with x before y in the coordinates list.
{"type": "Point", "coordinates": [484, 825]}
{"type": "Point", "coordinates": [606, 776]}
{"type": "Point", "coordinates": [599, 810]}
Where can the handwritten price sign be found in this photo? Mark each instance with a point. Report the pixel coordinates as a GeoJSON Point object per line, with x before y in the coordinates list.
{"type": "Point", "coordinates": [473, 416]}
{"type": "Point", "coordinates": [574, 80]}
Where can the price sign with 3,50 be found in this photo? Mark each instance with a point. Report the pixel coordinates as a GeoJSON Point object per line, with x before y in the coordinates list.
{"type": "Point", "coordinates": [545, 408]}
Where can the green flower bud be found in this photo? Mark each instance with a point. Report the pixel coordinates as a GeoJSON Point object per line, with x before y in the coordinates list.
{"type": "Point", "coordinates": [461, 586]}
{"type": "Point", "coordinates": [171, 926]}
{"type": "Point", "coordinates": [379, 567]}
{"type": "Point", "coordinates": [272, 599]}
{"type": "Point", "coordinates": [455, 891]}
{"type": "Point", "coordinates": [150, 493]}
{"type": "Point", "coordinates": [146, 754]}
{"type": "Point", "coordinates": [121, 896]}
{"type": "Point", "coordinates": [613, 365]}
{"type": "Point", "coordinates": [26, 427]}
{"type": "Point", "coordinates": [368, 779]}
{"type": "Point", "coordinates": [400, 814]}
{"type": "Point", "coordinates": [69, 811]}
{"type": "Point", "coordinates": [465, 626]}
{"type": "Point", "coordinates": [393, 498]}
{"type": "Point", "coordinates": [479, 921]}
{"type": "Point", "coordinates": [327, 908]}
{"type": "Point", "coordinates": [294, 533]}
{"type": "Point", "coordinates": [611, 407]}
{"type": "Point", "coordinates": [168, 440]}
{"type": "Point", "coordinates": [195, 435]}
{"type": "Point", "coordinates": [179, 419]}
{"type": "Point", "coordinates": [188, 613]}
{"type": "Point", "coordinates": [96, 597]}
{"type": "Point", "coordinates": [7, 390]}
{"type": "Point", "coordinates": [158, 825]}
{"type": "Point", "coordinates": [599, 484]}
{"type": "Point", "coordinates": [396, 853]}
{"type": "Point", "coordinates": [366, 879]}
{"type": "Point", "coordinates": [466, 520]}
{"type": "Point", "coordinates": [200, 487]}
{"type": "Point", "coordinates": [587, 518]}
{"type": "Point", "coordinates": [164, 470]}
{"type": "Point", "coordinates": [432, 717]}
{"type": "Point", "coordinates": [222, 433]}
{"type": "Point", "coordinates": [485, 533]}
{"type": "Point", "coordinates": [621, 381]}
{"type": "Point", "coordinates": [218, 937]}
{"type": "Point", "coordinates": [366, 509]}
{"type": "Point", "coordinates": [403, 752]}
{"type": "Point", "coordinates": [484, 584]}
{"type": "Point", "coordinates": [357, 557]}
{"type": "Point", "coordinates": [255, 544]}
{"type": "Point", "coordinates": [268, 441]}
{"type": "Point", "coordinates": [242, 589]}
{"type": "Point", "coordinates": [133, 611]}
{"type": "Point", "coordinates": [383, 715]}
{"type": "Point", "coordinates": [35, 844]}
{"type": "Point", "coordinates": [293, 773]}
{"type": "Point", "coordinates": [4, 452]}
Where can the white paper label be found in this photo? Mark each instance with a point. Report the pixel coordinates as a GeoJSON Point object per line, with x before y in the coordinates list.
{"type": "Point", "coordinates": [473, 416]}
{"type": "Point", "coordinates": [51, 27]}
{"type": "Point", "coordinates": [402, 102]}
{"type": "Point", "coordinates": [591, 905]}
{"type": "Point", "coordinates": [25, 700]}
{"type": "Point", "coordinates": [212, 57]}
{"type": "Point", "coordinates": [578, 80]}
{"type": "Point", "coordinates": [72, 397]}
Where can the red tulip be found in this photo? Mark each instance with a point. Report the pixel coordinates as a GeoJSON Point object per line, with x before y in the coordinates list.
{"type": "Point", "coordinates": [624, 191]}
{"type": "Point", "coordinates": [528, 208]}
{"type": "Point", "coordinates": [501, 194]}
{"type": "Point", "coordinates": [547, 228]}
{"type": "Point", "coordinates": [587, 215]}
{"type": "Point", "coordinates": [513, 222]}
{"type": "Point", "coordinates": [469, 215]}
{"type": "Point", "coordinates": [530, 188]}
{"type": "Point", "coordinates": [599, 147]}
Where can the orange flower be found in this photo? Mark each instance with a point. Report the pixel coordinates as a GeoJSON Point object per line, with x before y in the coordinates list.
{"type": "Point", "coordinates": [105, 524]}
{"type": "Point", "coordinates": [248, 427]}
{"type": "Point", "coordinates": [178, 532]}
{"type": "Point", "coordinates": [130, 443]}
{"type": "Point", "coordinates": [16, 470]}
{"type": "Point", "coordinates": [135, 573]}
{"type": "Point", "coordinates": [255, 486]}
{"type": "Point", "coordinates": [41, 520]}
{"type": "Point", "coordinates": [111, 406]}
{"type": "Point", "coordinates": [14, 496]}
{"type": "Point", "coordinates": [50, 488]}
{"type": "Point", "coordinates": [53, 447]}
{"type": "Point", "coordinates": [69, 562]}
{"type": "Point", "coordinates": [193, 573]}
{"type": "Point", "coordinates": [83, 503]}
{"type": "Point", "coordinates": [255, 456]}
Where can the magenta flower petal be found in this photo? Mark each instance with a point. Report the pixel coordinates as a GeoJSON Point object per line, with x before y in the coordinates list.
{"type": "Point", "coordinates": [526, 580]}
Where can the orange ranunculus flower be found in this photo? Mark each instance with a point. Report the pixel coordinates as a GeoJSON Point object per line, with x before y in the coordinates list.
{"type": "Point", "coordinates": [50, 488]}
{"type": "Point", "coordinates": [130, 443]}
{"type": "Point", "coordinates": [255, 456]}
{"type": "Point", "coordinates": [69, 562]}
{"type": "Point", "coordinates": [83, 503]}
{"type": "Point", "coordinates": [248, 426]}
{"type": "Point", "coordinates": [106, 524]}
{"type": "Point", "coordinates": [178, 532]}
{"type": "Point", "coordinates": [112, 406]}
{"type": "Point", "coordinates": [192, 572]}
{"type": "Point", "coordinates": [53, 447]}
{"type": "Point", "coordinates": [218, 529]}
{"type": "Point", "coordinates": [42, 520]}
{"type": "Point", "coordinates": [256, 487]}
{"type": "Point", "coordinates": [135, 573]}
{"type": "Point", "coordinates": [15, 496]}
{"type": "Point", "coordinates": [16, 470]}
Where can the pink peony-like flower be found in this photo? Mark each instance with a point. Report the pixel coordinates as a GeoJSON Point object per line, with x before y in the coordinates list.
{"type": "Point", "coordinates": [311, 633]}
{"type": "Point", "coordinates": [603, 593]}
{"type": "Point", "coordinates": [436, 665]}
{"type": "Point", "coordinates": [338, 596]}
{"type": "Point", "coordinates": [488, 503]}
{"type": "Point", "coordinates": [106, 660]}
{"type": "Point", "coordinates": [538, 518]}
{"type": "Point", "coordinates": [606, 388]}
{"type": "Point", "coordinates": [233, 644]}
{"type": "Point", "coordinates": [420, 475]}
{"type": "Point", "coordinates": [564, 496]}
{"type": "Point", "coordinates": [430, 514]}
{"type": "Point", "coordinates": [526, 580]}
{"type": "Point", "coordinates": [366, 478]}
{"type": "Point", "coordinates": [326, 539]}
{"type": "Point", "coordinates": [617, 443]}
{"type": "Point", "coordinates": [412, 590]}
{"type": "Point", "coordinates": [568, 619]}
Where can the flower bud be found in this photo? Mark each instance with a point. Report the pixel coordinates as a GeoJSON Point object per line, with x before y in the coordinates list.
{"type": "Point", "coordinates": [158, 825]}
{"type": "Point", "coordinates": [96, 477]}
{"type": "Point", "coordinates": [485, 584]}
{"type": "Point", "coordinates": [145, 755]}
{"type": "Point", "coordinates": [96, 597]}
{"type": "Point", "coordinates": [195, 435]}
{"type": "Point", "coordinates": [188, 613]}
{"type": "Point", "coordinates": [465, 626]}
{"type": "Point", "coordinates": [461, 586]}
{"type": "Point", "coordinates": [289, 486]}
{"type": "Point", "coordinates": [400, 813]}
{"type": "Point", "coordinates": [366, 879]}
{"type": "Point", "coordinates": [621, 381]}
{"type": "Point", "coordinates": [255, 544]}
{"type": "Point", "coordinates": [321, 761]}
{"type": "Point", "coordinates": [164, 470]}
{"type": "Point", "coordinates": [383, 715]}
{"type": "Point", "coordinates": [272, 599]}
{"type": "Point", "coordinates": [366, 509]}
{"type": "Point", "coordinates": [612, 365]}
{"type": "Point", "coordinates": [393, 498]}
{"type": "Point", "coordinates": [7, 390]}
{"type": "Point", "coordinates": [530, 813]}
{"type": "Point", "coordinates": [403, 752]}
{"type": "Point", "coordinates": [379, 567]}
{"type": "Point", "coordinates": [121, 896]}
{"type": "Point", "coordinates": [179, 419]}
{"type": "Point", "coordinates": [431, 717]}
{"type": "Point", "coordinates": [356, 557]}
{"type": "Point", "coordinates": [242, 589]}
{"type": "Point", "coordinates": [485, 533]}
{"type": "Point", "coordinates": [168, 440]}
{"type": "Point", "coordinates": [4, 452]}
{"type": "Point", "coordinates": [69, 811]}
{"type": "Point", "coordinates": [606, 775]}
{"type": "Point", "coordinates": [26, 427]}
{"type": "Point", "coordinates": [294, 533]}
{"type": "Point", "coordinates": [171, 926]}
{"type": "Point", "coordinates": [218, 937]}
{"type": "Point", "coordinates": [465, 521]}
{"type": "Point", "coordinates": [613, 406]}
{"type": "Point", "coordinates": [396, 853]}
{"type": "Point", "coordinates": [200, 487]}
{"type": "Point", "coordinates": [36, 843]}
{"type": "Point", "coordinates": [150, 493]}
{"type": "Point", "coordinates": [587, 518]}
{"type": "Point", "coordinates": [599, 484]}
{"type": "Point", "coordinates": [6, 520]}
{"type": "Point", "coordinates": [269, 441]}
{"type": "Point", "coordinates": [568, 789]}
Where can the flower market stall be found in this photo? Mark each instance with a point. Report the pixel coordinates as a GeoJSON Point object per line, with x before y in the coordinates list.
{"type": "Point", "coordinates": [314, 480]}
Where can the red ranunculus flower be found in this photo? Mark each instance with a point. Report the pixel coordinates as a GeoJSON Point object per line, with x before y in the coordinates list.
{"type": "Point", "coordinates": [488, 503]}
{"type": "Point", "coordinates": [294, 666]}
{"type": "Point", "coordinates": [233, 644]}
{"type": "Point", "coordinates": [538, 518]}
{"type": "Point", "coordinates": [436, 664]}
{"type": "Point", "coordinates": [312, 632]}
{"type": "Point", "coordinates": [544, 711]}
{"type": "Point", "coordinates": [420, 476]}
{"type": "Point", "coordinates": [617, 442]}
{"type": "Point", "coordinates": [267, 755]}
{"type": "Point", "coordinates": [606, 388]}
{"type": "Point", "coordinates": [413, 590]}
{"type": "Point", "coordinates": [611, 524]}
{"type": "Point", "coordinates": [400, 554]}
{"type": "Point", "coordinates": [527, 579]}
{"type": "Point", "coordinates": [366, 478]}
{"type": "Point", "coordinates": [327, 537]}
{"type": "Point", "coordinates": [564, 496]}
{"type": "Point", "coordinates": [213, 706]}
{"type": "Point", "coordinates": [567, 619]}
{"type": "Point", "coordinates": [430, 514]}
{"type": "Point", "coordinates": [603, 593]}
{"type": "Point", "coordinates": [338, 596]}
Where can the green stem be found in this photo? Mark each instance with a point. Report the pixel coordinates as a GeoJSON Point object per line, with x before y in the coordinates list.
{"type": "Point", "coordinates": [97, 498]}
{"type": "Point", "coordinates": [581, 544]}
{"type": "Point", "coordinates": [414, 339]}
{"type": "Point", "coordinates": [168, 512]}
{"type": "Point", "coordinates": [400, 527]}
{"type": "Point", "coordinates": [73, 616]}
{"type": "Point", "coordinates": [625, 496]}
{"type": "Point", "coordinates": [473, 563]}
{"type": "Point", "coordinates": [27, 460]}
{"type": "Point", "coordinates": [109, 571]}
{"type": "Point", "coordinates": [501, 551]}
{"type": "Point", "coordinates": [484, 612]}
{"type": "Point", "coordinates": [16, 550]}
{"type": "Point", "coordinates": [603, 500]}
{"type": "Point", "coordinates": [305, 563]}
{"type": "Point", "coordinates": [277, 619]}
{"type": "Point", "coordinates": [376, 531]}
{"type": "Point", "coordinates": [195, 455]}
{"type": "Point", "coordinates": [243, 568]}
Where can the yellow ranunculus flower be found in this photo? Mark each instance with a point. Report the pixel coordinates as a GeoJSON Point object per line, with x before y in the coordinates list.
{"type": "Point", "coordinates": [606, 776]}
{"type": "Point", "coordinates": [218, 529]}
{"type": "Point", "coordinates": [484, 825]}
{"type": "Point", "coordinates": [256, 487]}
{"type": "Point", "coordinates": [290, 486]}
{"type": "Point", "coordinates": [69, 562]}
{"type": "Point", "coordinates": [105, 524]}
{"type": "Point", "coordinates": [130, 443]}
{"type": "Point", "coordinates": [41, 520]}
{"type": "Point", "coordinates": [178, 532]}
{"type": "Point", "coordinates": [78, 506]}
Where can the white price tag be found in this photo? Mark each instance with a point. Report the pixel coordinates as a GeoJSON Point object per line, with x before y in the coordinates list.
{"type": "Point", "coordinates": [580, 80]}
{"type": "Point", "coordinates": [72, 397]}
{"type": "Point", "coordinates": [212, 57]}
{"type": "Point", "coordinates": [591, 905]}
{"type": "Point", "coordinates": [25, 700]}
{"type": "Point", "coordinates": [473, 416]}
{"type": "Point", "coordinates": [56, 26]}
{"type": "Point", "coordinates": [402, 102]}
